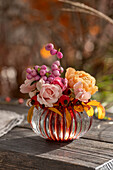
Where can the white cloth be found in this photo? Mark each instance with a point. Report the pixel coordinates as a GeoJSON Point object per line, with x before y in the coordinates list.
{"type": "Point", "coordinates": [8, 120]}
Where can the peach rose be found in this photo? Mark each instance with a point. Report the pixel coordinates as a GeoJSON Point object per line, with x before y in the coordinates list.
{"type": "Point", "coordinates": [49, 94]}
{"type": "Point", "coordinates": [87, 80]}
{"type": "Point", "coordinates": [27, 87]}
{"type": "Point", "coordinates": [80, 93]}
{"type": "Point", "coordinates": [69, 72]}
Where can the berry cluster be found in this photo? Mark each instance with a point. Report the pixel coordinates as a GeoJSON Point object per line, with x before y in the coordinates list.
{"type": "Point", "coordinates": [42, 72]}
{"type": "Point", "coordinates": [50, 47]}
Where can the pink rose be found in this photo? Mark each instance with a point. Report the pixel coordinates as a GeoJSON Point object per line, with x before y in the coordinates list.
{"type": "Point", "coordinates": [80, 93]}
{"type": "Point", "coordinates": [61, 82]}
{"type": "Point", "coordinates": [27, 87]}
{"type": "Point", "coordinates": [49, 94]}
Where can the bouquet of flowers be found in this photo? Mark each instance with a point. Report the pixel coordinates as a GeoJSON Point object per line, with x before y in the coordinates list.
{"type": "Point", "coordinates": [48, 90]}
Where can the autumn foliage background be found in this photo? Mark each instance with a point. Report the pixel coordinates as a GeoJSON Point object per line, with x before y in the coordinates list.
{"type": "Point", "coordinates": [85, 40]}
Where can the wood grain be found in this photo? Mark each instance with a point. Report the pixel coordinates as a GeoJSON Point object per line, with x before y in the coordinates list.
{"type": "Point", "coordinates": [13, 160]}
{"type": "Point", "coordinates": [23, 149]}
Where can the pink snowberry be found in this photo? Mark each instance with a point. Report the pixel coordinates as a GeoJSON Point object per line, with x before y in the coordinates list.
{"type": "Point", "coordinates": [49, 72]}
{"type": "Point", "coordinates": [44, 78]}
{"type": "Point", "coordinates": [37, 78]}
{"type": "Point", "coordinates": [36, 67]}
{"type": "Point", "coordinates": [33, 73]}
{"type": "Point", "coordinates": [28, 70]}
{"type": "Point", "coordinates": [53, 52]}
{"type": "Point", "coordinates": [59, 55]}
{"type": "Point", "coordinates": [56, 73]}
{"type": "Point", "coordinates": [29, 77]}
{"type": "Point", "coordinates": [50, 79]}
{"type": "Point", "coordinates": [44, 67]}
{"type": "Point", "coordinates": [61, 69]}
{"type": "Point", "coordinates": [54, 67]}
{"type": "Point", "coordinates": [52, 75]}
{"type": "Point", "coordinates": [57, 63]}
{"type": "Point", "coordinates": [42, 72]}
{"type": "Point", "coordinates": [49, 47]}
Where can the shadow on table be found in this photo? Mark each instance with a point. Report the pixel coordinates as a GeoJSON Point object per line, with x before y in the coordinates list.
{"type": "Point", "coordinates": [34, 145]}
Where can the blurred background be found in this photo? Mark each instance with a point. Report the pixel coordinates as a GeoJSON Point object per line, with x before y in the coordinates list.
{"type": "Point", "coordinates": [85, 39]}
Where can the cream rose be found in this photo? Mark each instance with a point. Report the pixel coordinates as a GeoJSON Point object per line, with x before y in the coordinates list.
{"type": "Point", "coordinates": [49, 94]}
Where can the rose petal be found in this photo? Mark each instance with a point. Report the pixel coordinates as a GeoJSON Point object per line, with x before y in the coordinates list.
{"type": "Point", "coordinates": [39, 84]}
{"type": "Point", "coordinates": [78, 85]}
{"type": "Point", "coordinates": [31, 94]}
{"type": "Point", "coordinates": [86, 96]}
{"type": "Point", "coordinates": [79, 95]}
{"type": "Point", "coordinates": [27, 87]}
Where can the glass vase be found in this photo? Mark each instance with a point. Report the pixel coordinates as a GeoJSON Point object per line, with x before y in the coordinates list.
{"type": "Point", "coordinates": [52, 126]}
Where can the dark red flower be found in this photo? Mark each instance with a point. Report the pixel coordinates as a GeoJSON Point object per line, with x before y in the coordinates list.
{"type": "Point", "coordinates": [64, 100]}
{"type": "Point", "coordinates": [67, 92]}
{"type": "Point", "coordinates": [34, 100]}
{"type": "Point", "coordinates": [76, 102]}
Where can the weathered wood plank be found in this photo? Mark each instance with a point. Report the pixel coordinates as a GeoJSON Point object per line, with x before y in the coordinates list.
{"type": "Point", "coordinates": [18, 132]}
{"type": "Point", "coordinates": [101, 130]}
{"type": "Point", "coordinates": [22, 146]}
{"type": "Point", "coordinates": [86, 153]}
{"type": "Point", "coordinates": [13, 160]}
{"type": "Point", "coordinates": [16, 108]}
{"type": "Point", "coordinates": [21, 133]}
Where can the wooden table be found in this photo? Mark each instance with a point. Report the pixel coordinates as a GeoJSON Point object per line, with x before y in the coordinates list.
{"type": "Point", "coordinates": [22, 149]}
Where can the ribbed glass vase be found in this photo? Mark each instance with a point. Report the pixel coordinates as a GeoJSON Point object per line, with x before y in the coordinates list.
{"type": "Point", "coordinates": [51, 125]}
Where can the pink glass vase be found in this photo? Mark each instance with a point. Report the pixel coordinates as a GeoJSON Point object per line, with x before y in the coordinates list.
{"type": "Point", "coordinates": [52, 126]}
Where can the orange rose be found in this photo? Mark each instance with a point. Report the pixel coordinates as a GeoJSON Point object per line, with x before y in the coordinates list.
{"type": "Point", "coordinates": [87, 80]}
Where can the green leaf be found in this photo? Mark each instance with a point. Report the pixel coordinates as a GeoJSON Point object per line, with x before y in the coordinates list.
{"type": "Point", "coordinates": [38, 69]}
{"type": "Point", "coordinates": [47, 74]}
{"type": "Point", "coordinates": [106, 118]}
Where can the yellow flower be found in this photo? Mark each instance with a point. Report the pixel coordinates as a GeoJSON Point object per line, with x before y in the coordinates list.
{"type": "Point", "coordinates": [89, 110]}
{"type": "Point", "coordinates": [79, 108]}
{"type": "Point", "coordinates": [87, 80]}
